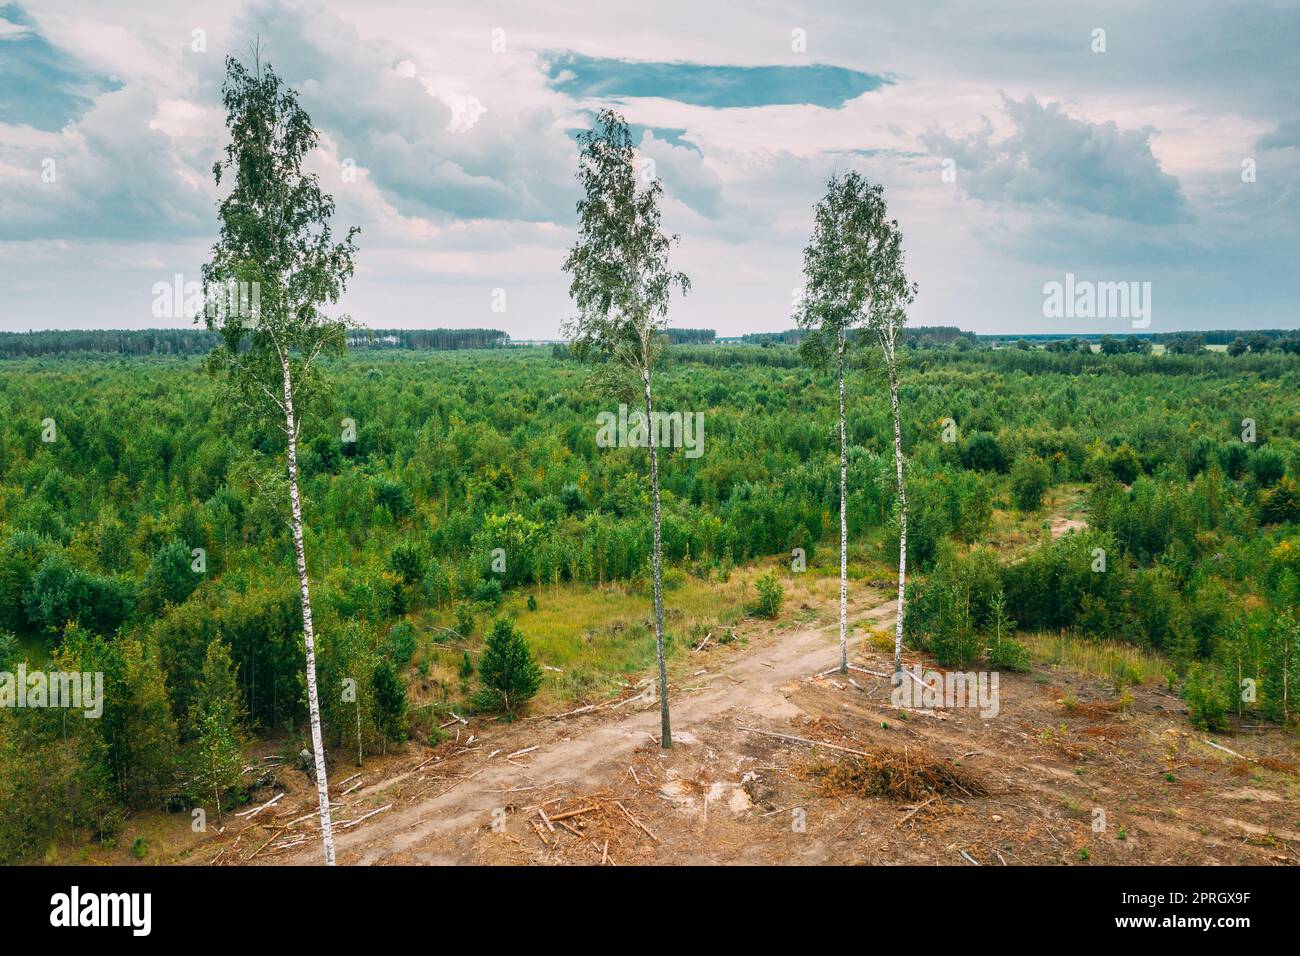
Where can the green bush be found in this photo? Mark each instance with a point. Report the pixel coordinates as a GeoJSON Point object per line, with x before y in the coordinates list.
{"type": "Point", "coordinates": [1207, 697]}
{"type": "Point", "coordinates": [770, 596]}
{"type": "Point", "coordinates": [1030, 479]}
{"type": "Point", "coordinates": [401, 643]}
{"type": "Point", "coordinates": [1267, 466]}
{"type": "Point", "coordinates": [408, 562]}
{"type": "Point", "coordinates": [983, 453]}
{"type": "Point", "coordinates": [510, 674]}
{"type": "Point", "coordinates": [464, 619]}
{"type": "Point", "coordinates": [488, 592]}
{"type": "Point", "coordinates": [389, 702]}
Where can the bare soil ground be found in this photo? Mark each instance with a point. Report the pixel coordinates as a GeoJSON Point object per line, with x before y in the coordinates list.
{"type": "Point", "coordinates": [1073, 775]}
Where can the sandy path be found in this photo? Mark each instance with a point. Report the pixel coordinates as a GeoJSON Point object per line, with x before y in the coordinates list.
{"type": "Point", "coordinates": [583, 751]}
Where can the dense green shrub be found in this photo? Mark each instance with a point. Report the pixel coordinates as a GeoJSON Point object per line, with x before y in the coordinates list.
{"type": "Point", "coordinates": [509, 673]}
{"type": "Point", "coordinates": [1030, 479]}
{"type": "Point", "coordinates": [770, 595]}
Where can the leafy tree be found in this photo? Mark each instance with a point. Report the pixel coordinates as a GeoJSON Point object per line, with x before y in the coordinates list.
{"type": "Point", "coordinates": [409, 562]}
{"type": "Point", "coordinates": [1207, 697]}
{"type": "Point", "coordinates": [1125, 464]}
{"type": "Point", "coordinates": [622, 285]}
{"type": "Point", "coordinates": [853, 277]}
{"type": "Point", "coordinates": [1267, 466]}
{"type": "Point", "coordinates": [982, 452]}
{"type": "Point", "coordinates": [1030, 479]}
{"type": "Point", "coordinates": [401, 643]}
{"type": "Point", "coordinates": [508, 670]}
{"type": "Point", "coordinates": [1281, 504]}
{"type": "Point", "coordinates": [390, 702]}
{"type": "Point", "coordinates": [1004, 652]}
{"type": "Point", "coordinates": [276, 236]}
{"type": "Point", "coordinates": [836, 289]}
{"type": "Point", "coordinates": [61, 594]}
{"type": "Point", "coordinates": [216, 762]}
{"type": "Point", "coordinates": [218, 691]}
{"type": "Point", "coordinates": [170, 577]}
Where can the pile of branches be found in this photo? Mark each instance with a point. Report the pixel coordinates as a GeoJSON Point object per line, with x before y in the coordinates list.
{"type": "Point", "coordinates": [896, 775]}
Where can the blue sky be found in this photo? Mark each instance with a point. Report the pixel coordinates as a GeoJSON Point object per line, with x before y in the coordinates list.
{"type": "Point", "coordinates": [1012, 152]}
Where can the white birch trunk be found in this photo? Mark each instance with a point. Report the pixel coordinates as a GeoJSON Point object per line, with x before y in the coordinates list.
{"type": "Point", "coordinates": [309, 637]}
{"type": "Point", "coordinates": [667, 739]}
{"type": "Point", "coordinates": [902, 507]}
{"type": "Point", "coordinates": [844, 526]}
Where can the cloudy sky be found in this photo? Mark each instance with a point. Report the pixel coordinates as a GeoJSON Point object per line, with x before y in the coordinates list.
{"type": "Point", "coordinates": [1012, 150]}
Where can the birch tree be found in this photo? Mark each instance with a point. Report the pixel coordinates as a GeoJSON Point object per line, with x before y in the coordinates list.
{"type": "Point", "coordinates": [839, 284]}
{"type": "Point", "coordinates": [621, 286]}
{"type": "Point", "coordinates": [888, 315]}
{"type": "Point", "coordinates": [276, 242]}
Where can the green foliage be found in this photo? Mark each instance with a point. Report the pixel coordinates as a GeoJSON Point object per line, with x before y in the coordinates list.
{"type": "Point", "coordinates": [620, 280]}
{"type": "Point", "coordinates": [1004, 652]}
{"type": "Point", "coordinates": [61, 593]}
{"type": "Point", "coordinates": [1207, 698]}
{"type": "Point", "coordinates": [464, 619]}
{"type": "Point", "coordinates": [1267, 466]}
{"type": "Point", "coordinates": [276, 237]}
{"type": "Point", "coordinates": [770, 595]}
{"type": "Point", "coordinates": [401, 643]}
{"type": "Point", "coordinates": [474, 436]}
{"type": "Point", "coordinates": [215, 760]}
{"type": "Point", "coordinates": [507, 669]}
{"type": "Point", "coordinates": [1281, 504]}
{"type": "Point", "coordinates": [1030, 479]}
{"type": "Point", "coordinates": [169, 578]}
{"type": "Point", "coordinates": [390, 702]}
{"type": "Point", "coordinates": [408, 561]}
{"type": "Point", "coordinates": [983, 452]}
{"type": "Point", "coordinates": [488, 591]}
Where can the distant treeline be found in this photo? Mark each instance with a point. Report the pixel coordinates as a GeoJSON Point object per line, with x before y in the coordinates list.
{"type": "Point", "coordinates": [441, 340]}
{"type": "Point", "coordinates": [200, 341]}
{"type": "Point", "coordinates": [929, 333]}
{"type": "Point", "coordinates": [120, 341]}
{"type": "Point", "coordinates": [691, 336]}
{"type": "Point", "coordinates": [1212, 337]}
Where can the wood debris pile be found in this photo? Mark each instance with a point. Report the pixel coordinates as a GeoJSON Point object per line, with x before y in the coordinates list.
{"type": "Point", "coordinates": [895, 774]}
{"type": "Point", "coordinates": [600, 828]}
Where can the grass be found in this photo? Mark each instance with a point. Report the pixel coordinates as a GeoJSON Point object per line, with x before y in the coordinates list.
{"type": "Point", "coordinates": [1123, 663]}
{"type": "Point", "coordinates": [593, 641]}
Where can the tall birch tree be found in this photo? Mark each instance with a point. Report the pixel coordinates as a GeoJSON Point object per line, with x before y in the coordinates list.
{"type": "Point", "coordinates": [888, 314]}
{"type": "Point", "coordinates": [276, 243]}
{"type": "Point", "coordinates": [852, 271]}
{"type": "Point", "coordinates": [621, 285]}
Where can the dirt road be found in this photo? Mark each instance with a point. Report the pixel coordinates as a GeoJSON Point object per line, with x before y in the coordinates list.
{"type": "Point", "coordinates": [1071, 772]}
